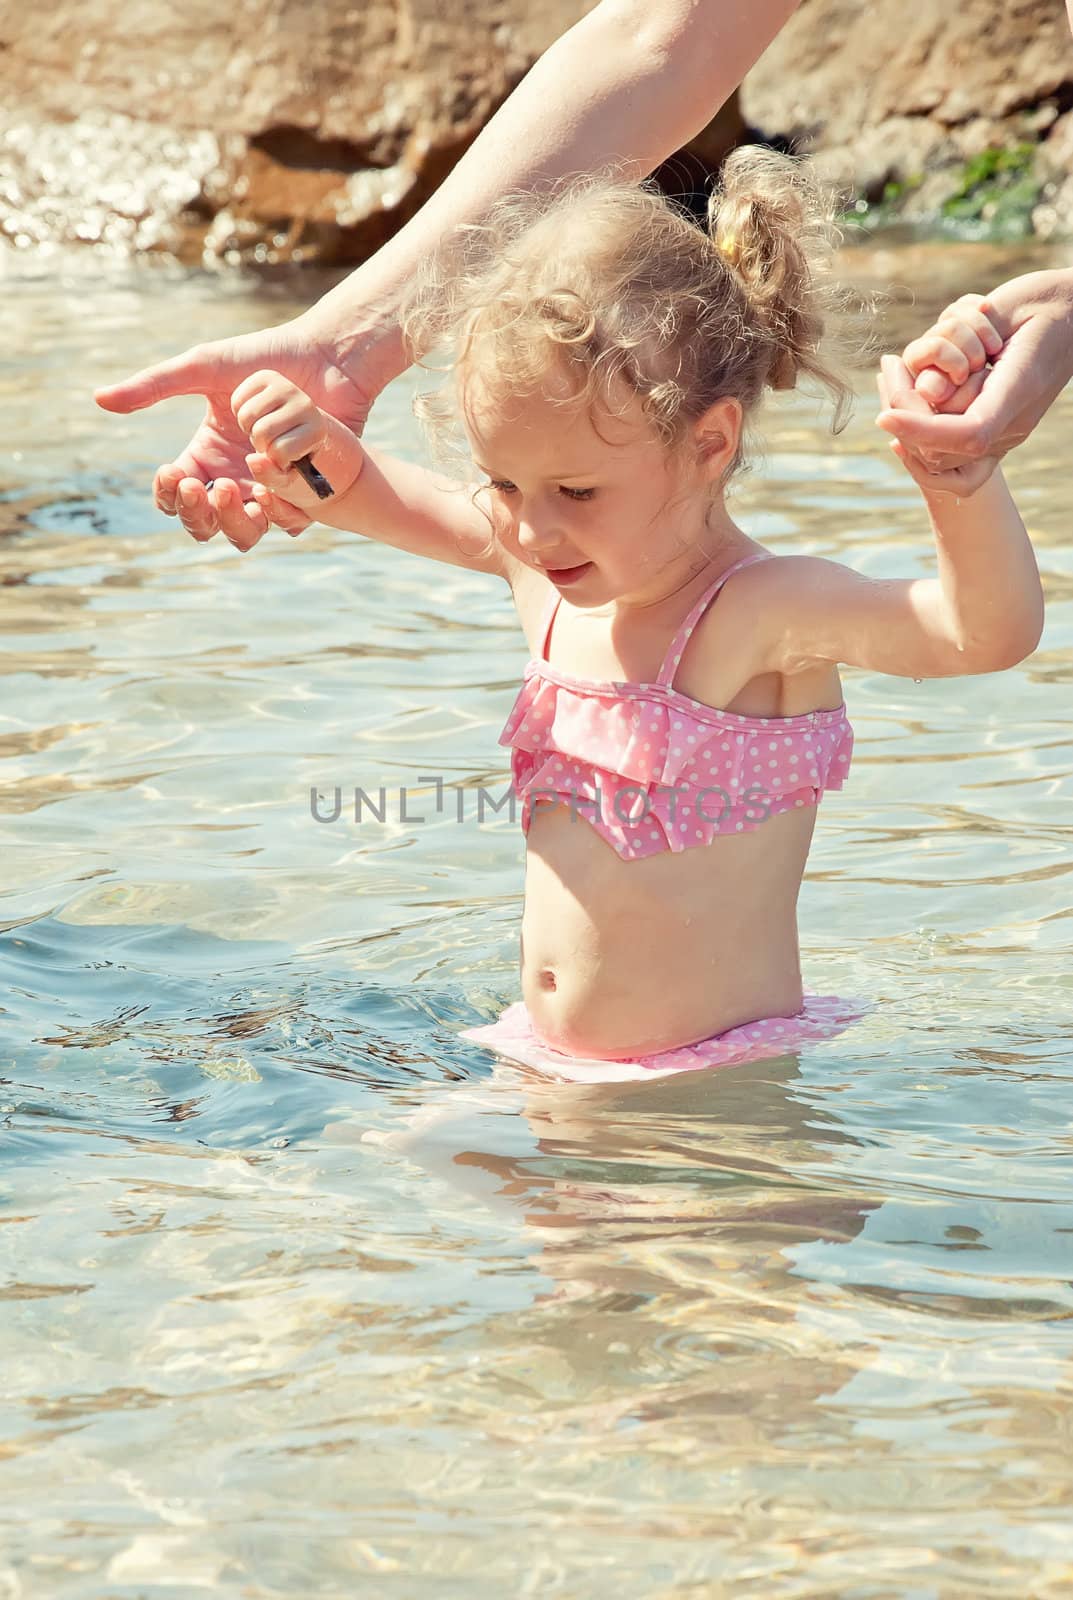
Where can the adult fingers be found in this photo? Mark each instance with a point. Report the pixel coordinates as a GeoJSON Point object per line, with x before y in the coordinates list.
{"type": "Point", "coordinates": [919, 470]}
{"type": "Point", "coordinates": [195, 509]}
{"type": "Point", "coordinates": [900, 398]}
{"type": "Point", "coordinates": [969, 477]}
{"type": "Point", "coordinates": [248, 525]}
{"type": "Point", "coordinates": [945, 435]}
{"type": "Point", "coordinates": [895, 383]}
{"type": "Point", "coordinates": [920, 467]}
{"type": "Point", "coordinates": [240, 521]}
{"type": "Point", "coordinates": [206, 510]}
{"type": "Point", "coordinates": [166, 483]}
{"type": "Point", "coordinates": [173, 477]}
{"type": "Point", "coordinates": [196, 371]}
{"type": "Point", "coordinates": [960, 481]}
{"type": "Point", "coordinates": [889, 394]}
{"type": "Point", "coordinates": [1001, 415]}
{"type": "Point", "coordinates": [1025, 378]}
{"type": "Point", "coordinates": [1031, 369]}
{"type": "Point", "coordinates": [959, 401]}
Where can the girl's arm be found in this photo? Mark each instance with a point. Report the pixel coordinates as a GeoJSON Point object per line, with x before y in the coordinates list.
{"type": "Point", "coordinates": [984, 609]}
{"type": "Point", "coordinates": [398, 503]}
{"type": "Point", "coordinates": [376, 495]}
{"type": "Point", "coordinates": [981, 613]}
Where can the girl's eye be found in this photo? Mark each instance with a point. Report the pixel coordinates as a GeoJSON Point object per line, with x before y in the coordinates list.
{"type": "Point", "coordinates": [504, 486]}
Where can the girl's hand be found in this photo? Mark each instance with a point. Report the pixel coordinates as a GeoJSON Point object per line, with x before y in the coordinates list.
{"type": "Point", "coordinates": [944, 479]}
{"type": "Point", "coordinates": [207, 487]}
{"type": "Point", "coordinates": [283, 425]}
{"type": "Point", "coordinates": [951, 360]}
{"type": "Point", "coordinates": [1034, 315]}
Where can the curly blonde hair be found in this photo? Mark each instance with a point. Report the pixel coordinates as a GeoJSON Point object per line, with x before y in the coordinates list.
{"type": "Point", "coordinates": [606, 282]}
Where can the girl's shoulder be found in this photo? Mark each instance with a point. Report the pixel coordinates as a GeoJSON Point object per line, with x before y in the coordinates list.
{"type": "Point", "coordinates": [775, 571]}
{"type": "Point", "coordinates": [737, 656]}
{"type": "Point", "coordinates": [765, 595]}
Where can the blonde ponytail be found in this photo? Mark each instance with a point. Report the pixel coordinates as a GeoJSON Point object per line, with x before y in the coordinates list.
{"type": "Point", "coordinates": [608, 283]}
{"type": "Point", "coordinates": [772, 223]}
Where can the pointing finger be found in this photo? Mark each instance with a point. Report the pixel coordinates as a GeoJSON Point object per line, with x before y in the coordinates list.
{"type": "Point", "coordinates": [196, 371]}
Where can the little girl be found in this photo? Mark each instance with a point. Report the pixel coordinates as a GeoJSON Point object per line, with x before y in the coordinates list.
{"type": "Point", "coordinates": [681, 714]}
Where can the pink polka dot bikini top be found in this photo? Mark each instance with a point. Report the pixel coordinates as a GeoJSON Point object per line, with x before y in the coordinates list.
{"type": "Point", "coordinates": [652, 769]}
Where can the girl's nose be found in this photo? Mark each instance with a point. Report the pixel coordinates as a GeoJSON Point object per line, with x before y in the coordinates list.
{"type": "Point", "coordinates": [537, 535]}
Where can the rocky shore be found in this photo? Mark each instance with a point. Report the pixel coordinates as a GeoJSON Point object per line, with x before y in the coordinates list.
{"type": "Point", "coordinates": [310, 129]}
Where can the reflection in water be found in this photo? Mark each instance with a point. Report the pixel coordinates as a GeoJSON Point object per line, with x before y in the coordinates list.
{"type": "Point", "coordinates": [771, 1289]}
{"type": "Point", "coordinates": [427, 1323]}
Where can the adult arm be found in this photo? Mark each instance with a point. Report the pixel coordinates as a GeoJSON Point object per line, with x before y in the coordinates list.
{"type": "Point", "coordinates": [627, 85]}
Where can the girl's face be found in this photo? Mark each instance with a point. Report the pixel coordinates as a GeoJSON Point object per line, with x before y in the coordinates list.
{"type": "Point", "coordinates": [608, 512]}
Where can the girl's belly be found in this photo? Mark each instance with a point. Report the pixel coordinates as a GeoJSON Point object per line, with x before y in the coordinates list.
{"type": "Point", "coordinates": [631, 957]}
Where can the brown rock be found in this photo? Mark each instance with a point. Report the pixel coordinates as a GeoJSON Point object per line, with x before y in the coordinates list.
{"type": "Point", "coordinates": [312, 129]}
{"type": "Point", "coordinates": [843, 66]}
{"type": "Point", "coordinates": [309, 116]}
{"type": "Point", "coordinates": [899, 148]}
{"type": "Point", "coordinates": [883, 92]}
{"type": "Point", "coordinates": [1056, 152]}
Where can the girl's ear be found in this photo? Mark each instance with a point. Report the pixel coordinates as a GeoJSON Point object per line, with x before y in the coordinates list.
{"type": "Point", "coordinates": [716, 435]}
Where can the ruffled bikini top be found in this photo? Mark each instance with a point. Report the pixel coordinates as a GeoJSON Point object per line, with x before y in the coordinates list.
{"type": "Point", "coordinates": [652, 769]}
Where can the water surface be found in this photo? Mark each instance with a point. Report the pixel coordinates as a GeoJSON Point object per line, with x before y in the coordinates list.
{"type": "Point", "coordinates": [799, 1329]}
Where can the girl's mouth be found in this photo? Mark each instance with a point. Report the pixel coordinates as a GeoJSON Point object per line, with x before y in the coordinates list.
{"type": "Point", "coordinates": [568, 574]}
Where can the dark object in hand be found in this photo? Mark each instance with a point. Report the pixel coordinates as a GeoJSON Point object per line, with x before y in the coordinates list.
{"type": "Point", "coordinates": [316, 480]}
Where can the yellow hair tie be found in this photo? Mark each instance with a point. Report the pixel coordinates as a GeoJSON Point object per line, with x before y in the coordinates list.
{"type": "Point", "coordinates": [729, 248]}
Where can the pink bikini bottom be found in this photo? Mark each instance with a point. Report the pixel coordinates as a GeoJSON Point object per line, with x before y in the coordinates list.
{"type": "Point", "coordinates": [820, 1017]}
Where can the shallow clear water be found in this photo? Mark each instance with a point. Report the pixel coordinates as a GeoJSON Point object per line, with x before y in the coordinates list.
{"type": "Point", "coordinates": [801, 1328]}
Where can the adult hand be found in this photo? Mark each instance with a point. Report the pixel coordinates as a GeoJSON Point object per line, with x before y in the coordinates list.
{"type": "Point", "coordinates": [216, 455]}
{"type": "Point", "coordinates": [631, 82]}
{"type": "Point", "coordinates": [947, 476]}
{"type": "Point", "coordinates": [996, 408]}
